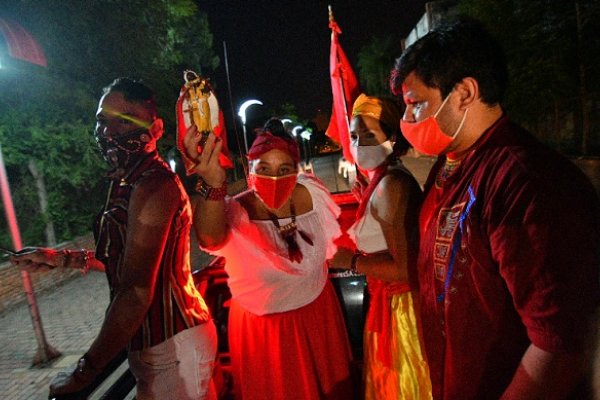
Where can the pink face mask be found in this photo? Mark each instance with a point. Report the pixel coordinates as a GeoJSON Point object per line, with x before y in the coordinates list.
{"type": "Point", "coordinates": [274, 191]}
{"type": "Point", "coordinates": [426, 136]}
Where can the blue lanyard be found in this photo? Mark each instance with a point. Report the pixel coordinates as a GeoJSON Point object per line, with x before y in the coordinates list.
{"type": "Point", "coordinates": [456, 244]}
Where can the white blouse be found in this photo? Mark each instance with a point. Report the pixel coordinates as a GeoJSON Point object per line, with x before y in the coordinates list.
{"type": "Point", "coordinates": [262, 279]}
{"type": "Point", "coordinates": [366, 232]}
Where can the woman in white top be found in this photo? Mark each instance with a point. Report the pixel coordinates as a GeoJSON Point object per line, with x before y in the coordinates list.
{"type": "Point", "coordinates": [386, 238]}
{"type": "Point", "coordinates": [287, 337]}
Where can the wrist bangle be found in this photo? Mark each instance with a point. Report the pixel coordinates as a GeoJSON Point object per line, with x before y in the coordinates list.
{"type": "Point", "coordinates": [86, 262]}
{"type": "Point", "coordinates": [211, 193]}
{"type": "Point", "coordinates": [66, 258]}
{"type": "Point", "coordinates": [353, 262]}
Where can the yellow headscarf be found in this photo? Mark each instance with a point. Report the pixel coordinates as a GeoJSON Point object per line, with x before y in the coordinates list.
{"type": "Point", "coordinates": [383, 110]}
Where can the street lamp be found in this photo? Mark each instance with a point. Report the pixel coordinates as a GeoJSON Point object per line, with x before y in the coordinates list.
{"type": "Point", "coordinates": [242, 115]}
{"type": "Point", "coordinates": [305, 135]}
{"type": "Point", "coordinates": [296, 129]}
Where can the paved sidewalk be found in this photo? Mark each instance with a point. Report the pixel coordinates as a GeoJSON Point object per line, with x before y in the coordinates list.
{"type": "Point", "coordinates": [71, 315]}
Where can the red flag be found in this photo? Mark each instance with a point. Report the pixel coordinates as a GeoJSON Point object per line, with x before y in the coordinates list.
{"type": "Point", "coordinates": [21, 44]}
{"type": "Point", "coordinates": [345, 89]}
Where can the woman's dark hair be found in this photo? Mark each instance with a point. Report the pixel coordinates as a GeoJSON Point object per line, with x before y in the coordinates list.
{"type": "Point", "coordinates": [450, 53]}
{"type": "Point", "coordinates": [275, 126]}
{"type": "Point", "coordinates": [134, 91]}
{"type": "Point", "coordinates": [401, 145]}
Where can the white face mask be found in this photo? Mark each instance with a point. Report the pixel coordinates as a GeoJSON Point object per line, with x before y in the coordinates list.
{"type": "Point", "coordinates": [371, 157]}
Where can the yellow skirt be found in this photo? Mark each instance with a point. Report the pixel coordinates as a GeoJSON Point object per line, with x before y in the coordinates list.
{"type": "Point", "coordinates": [408, 375]}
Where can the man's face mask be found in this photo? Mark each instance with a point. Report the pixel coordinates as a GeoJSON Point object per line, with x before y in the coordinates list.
{"type": "Point", "coordinates": [274, 191]}
{"type": "Point", "coordinates": [119, 150]}
{"type": "Point", "coordinates": [426, 136]}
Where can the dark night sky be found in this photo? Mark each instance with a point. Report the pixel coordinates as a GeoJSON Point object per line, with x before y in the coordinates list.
{"type": "Point", "coordinates": [278, 51]}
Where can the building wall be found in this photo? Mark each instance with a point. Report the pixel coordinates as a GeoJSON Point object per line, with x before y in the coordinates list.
{"type": "Point", "coordinates": [436, 12]}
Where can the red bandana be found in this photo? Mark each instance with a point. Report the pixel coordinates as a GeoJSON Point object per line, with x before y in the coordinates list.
{"type": "Point", "coordinates": [267, 142]}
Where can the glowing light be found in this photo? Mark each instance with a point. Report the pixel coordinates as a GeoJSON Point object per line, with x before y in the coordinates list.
{"type": "Point", "coordinates": [242, 115]}
{"type": "Point", "coordinates": [284, 121]}
{"type": "Point", "coordinates": [244, 106]}
{"type": "Point", "coordinates": [296, 129]}
{"type": "Point", "coordinates": [305, 134]}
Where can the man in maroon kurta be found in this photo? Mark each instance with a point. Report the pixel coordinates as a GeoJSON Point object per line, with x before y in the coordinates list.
{"type": "Point", "coordinates": [508, 261]}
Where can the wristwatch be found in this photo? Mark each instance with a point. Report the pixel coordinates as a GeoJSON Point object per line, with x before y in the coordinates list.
{"type": "Point", "coordinates": [210, 193]}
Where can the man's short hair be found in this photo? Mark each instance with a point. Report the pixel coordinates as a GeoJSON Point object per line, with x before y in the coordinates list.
{"type": "Point", "coordinates": [450, 53]}
{"type": "Point", "coordinates": [135, 91]}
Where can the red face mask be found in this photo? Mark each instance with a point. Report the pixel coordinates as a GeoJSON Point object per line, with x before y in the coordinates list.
{"type": "Point", "coordinates": [426, 136]}
{"type": "Point", "coordinates": [274, 191]}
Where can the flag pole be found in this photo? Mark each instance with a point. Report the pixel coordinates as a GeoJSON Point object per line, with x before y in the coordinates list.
{"type": "Point", "coordinates": [45, 352]}
{"type": "Point", "coordinates": [335, 29]}
{"type": "Point", "coordinates": [235, 129]}
{"type": "Point", "coordinates": [344, 85]}
{"type": "Point", "coordinates": [331, 19]}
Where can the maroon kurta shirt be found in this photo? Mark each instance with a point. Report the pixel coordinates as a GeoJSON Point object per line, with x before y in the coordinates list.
{"type": "Point", "coordinates": [508, 257]}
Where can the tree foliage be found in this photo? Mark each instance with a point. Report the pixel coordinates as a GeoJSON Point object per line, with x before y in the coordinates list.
{"type": "Point", "coordinates": [553, 60]}
{"type": "Point", "coordinates": [47, 114]}
{"type": "Point", "coordinates": [553, 57]}
{"type": "Point", "coordinates": [150, 39]}
{"type": "Point", "coordinates": [374, 63]}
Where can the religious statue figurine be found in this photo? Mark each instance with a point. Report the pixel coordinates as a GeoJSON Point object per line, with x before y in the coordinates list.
{"type": "Point", "coordinates": [198, 105]}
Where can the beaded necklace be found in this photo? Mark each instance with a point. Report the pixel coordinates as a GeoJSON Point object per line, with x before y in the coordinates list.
{"type": "Point", "coordinates": [445, 172]}
{"type": "Point", "coordinates": [288, 234]}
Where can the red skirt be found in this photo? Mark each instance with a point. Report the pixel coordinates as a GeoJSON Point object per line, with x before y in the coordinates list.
{"type": "Point", "coordinates": [301, 354]}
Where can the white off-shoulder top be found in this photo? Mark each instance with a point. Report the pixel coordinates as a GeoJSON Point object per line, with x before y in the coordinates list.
{"type": "Point", "coordinates": [262, 279]}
